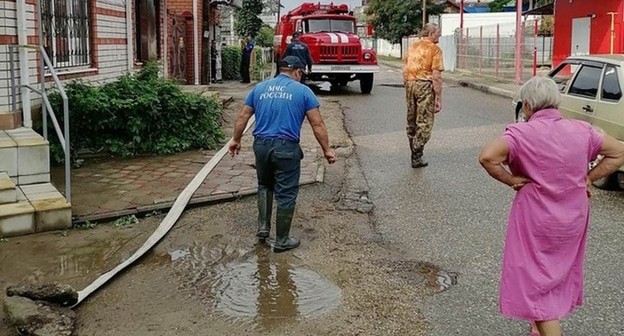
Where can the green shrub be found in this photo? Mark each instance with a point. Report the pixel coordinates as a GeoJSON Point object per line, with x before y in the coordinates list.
{"type": "Point", "coordinates": [231, 59]}
{"type": "Point", "coordinates": [265, 37]}
{"type": "Point", "coordinates": [137, 114]}
{"type": "Point", "coordinates": [260, 70]}
{"type": "Point", "coordinates": [230, 65]}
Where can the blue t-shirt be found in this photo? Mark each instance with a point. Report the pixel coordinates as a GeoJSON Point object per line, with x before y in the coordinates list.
{"type": "Point", "coordinates": [280, 105]}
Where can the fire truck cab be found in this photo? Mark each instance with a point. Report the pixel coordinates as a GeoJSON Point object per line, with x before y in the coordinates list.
{"type": "Point", "coordinates": [329, 31]}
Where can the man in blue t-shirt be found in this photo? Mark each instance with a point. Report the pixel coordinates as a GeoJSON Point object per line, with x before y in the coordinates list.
{"type": "Point", "coordinates": [280, 106]}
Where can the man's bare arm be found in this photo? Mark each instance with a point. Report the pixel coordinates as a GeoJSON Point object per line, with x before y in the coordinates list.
{"type": "Point", "coordinates": [320, 133]}
{"type": "Point", "coordinates": [437, 83]}
{"type": "Point", "coordinates": [239, 128]}
{"type": "Point", "coordinates": [318, 127]}
{"type": "Point", "coordinates": [241, 122]}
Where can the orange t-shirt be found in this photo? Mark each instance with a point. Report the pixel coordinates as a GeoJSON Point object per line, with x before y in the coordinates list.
{"type": "Point", "coordinates": [422, 58]}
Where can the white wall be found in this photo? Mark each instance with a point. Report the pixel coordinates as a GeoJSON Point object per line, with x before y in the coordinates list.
{"type": "Point", "coordinates": [386, 48]}
{"type": "Point", "coordinates": [450, 22]}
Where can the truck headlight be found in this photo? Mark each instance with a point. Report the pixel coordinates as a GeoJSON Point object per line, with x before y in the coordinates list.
{"type": "Point", "coordinates": [368, 56]}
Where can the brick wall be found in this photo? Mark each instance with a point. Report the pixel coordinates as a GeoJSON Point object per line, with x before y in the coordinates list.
{"type": "Point", "coordinates": [108, 50]}
{"type": "Point", "coordinates": [108, 46]}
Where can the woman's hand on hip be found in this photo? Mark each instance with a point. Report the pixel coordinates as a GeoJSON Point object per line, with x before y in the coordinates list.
{"type": "Point", "coordinates": [517, 182]}
{"type": "Point", "coordinates": [589, 183]}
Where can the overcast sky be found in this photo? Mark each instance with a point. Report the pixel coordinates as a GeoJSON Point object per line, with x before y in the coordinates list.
{"type": "Point", "coordinates": [290, 4]}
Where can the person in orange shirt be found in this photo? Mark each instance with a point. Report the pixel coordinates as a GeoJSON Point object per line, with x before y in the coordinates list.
{"type": "Point", "coordinates": [422, 75]}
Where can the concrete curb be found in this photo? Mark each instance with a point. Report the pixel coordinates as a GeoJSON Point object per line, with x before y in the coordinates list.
{"type": "Point", "coordinates": [482, 87]}
{"type": "Point", "coordinates": [465, 83]}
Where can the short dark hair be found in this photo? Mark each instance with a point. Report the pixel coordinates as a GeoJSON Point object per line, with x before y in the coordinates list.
{"type": "Point", "coordinates": [296, 34]}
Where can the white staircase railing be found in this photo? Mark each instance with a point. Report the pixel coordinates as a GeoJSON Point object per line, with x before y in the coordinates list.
{"type": "Point", "coordinates": [46, 107]}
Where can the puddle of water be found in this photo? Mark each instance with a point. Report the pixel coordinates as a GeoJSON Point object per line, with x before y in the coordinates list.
{"type": "Point", "coordinates": [52, 258]}
{"type": "Point", "coordinates": [262, 289]}
{"type": "Point", "coordinates": [94, 257]}
{"type": "Point", "coordinates": [178, 254]}
{"type": "Point", "coordinates": [257, 286]}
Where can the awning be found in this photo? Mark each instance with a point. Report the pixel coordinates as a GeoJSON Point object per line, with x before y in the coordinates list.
{"type": "Point", "coordinates": [544, 10]}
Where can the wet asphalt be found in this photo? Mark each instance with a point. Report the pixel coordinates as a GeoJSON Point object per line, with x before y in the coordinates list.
{"type": "Point", "coordinates": [453, 214]}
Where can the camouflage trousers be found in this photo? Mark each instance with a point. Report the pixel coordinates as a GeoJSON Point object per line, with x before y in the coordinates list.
{"type": "Point", "coordinates": [420, 114]}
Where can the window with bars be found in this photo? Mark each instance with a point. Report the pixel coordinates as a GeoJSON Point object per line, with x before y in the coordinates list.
{"type": "Point", "coordinates": [65, 30]}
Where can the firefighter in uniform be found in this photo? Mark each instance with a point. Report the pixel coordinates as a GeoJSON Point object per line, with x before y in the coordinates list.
{"type": "Point", "coordinates": [300, 50]}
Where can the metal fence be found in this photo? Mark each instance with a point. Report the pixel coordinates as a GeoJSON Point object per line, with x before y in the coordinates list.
{"type": "Point", "coordinates": [491, 50]}
{"type": "Point", "coordinates": [65, 26]}
{"type": "Point", "coordinates": [264, 63]}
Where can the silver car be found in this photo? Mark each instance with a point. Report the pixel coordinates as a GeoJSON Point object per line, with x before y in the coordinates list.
{"type": "Point", "coordinates": [591, 88]}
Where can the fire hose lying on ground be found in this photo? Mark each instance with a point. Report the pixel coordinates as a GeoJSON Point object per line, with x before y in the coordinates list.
{"type": "Point", "coordinates": [165, 226]}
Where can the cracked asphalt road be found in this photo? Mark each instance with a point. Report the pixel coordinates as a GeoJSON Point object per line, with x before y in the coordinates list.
{"type": "Point", "coordinates": [453, 214]}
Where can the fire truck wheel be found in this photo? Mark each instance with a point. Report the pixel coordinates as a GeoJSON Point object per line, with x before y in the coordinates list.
{"type": "Point", "coordinates": [366, 83]}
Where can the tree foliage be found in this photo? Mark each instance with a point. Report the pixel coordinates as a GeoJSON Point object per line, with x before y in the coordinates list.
{"type": "Point", "coordinates": [394, 19]}
{"type": "Point", "coordinates": [497, 5]}
{"type": "Point", "coordinates": [265, 37]}
{"type": "Point", "coordinates": [247, 20]}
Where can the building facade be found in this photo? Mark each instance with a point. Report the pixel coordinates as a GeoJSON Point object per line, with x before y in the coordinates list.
{"type": "Point", "coordinates": [588, 27]}
{"type": "Point", "coordinates": [98, 41]}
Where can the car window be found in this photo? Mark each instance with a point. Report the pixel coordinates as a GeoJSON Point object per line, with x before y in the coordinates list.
{"type": "Point", "coordinates": [563, 74]}
{"type": "Point", "coordinates": [586, 82]}
{"type": "Point", "coordinates": [611, 90]}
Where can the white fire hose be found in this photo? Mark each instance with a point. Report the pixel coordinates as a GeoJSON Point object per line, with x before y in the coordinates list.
{"type": "Point", "coordinates": [165, 226]}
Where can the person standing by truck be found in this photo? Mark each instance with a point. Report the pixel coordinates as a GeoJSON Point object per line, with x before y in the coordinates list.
{"type": "Point", "coordinates": [301, 51]}
{"type": "Point", "coordinates": [246, 50]}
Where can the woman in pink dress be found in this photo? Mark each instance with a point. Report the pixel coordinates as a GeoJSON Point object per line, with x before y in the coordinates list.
{"type": "Point", "coordinates": [548, 159]}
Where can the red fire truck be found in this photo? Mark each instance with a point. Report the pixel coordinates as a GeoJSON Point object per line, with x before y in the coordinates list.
{"type": "Point", "coordinates": [329, 31]}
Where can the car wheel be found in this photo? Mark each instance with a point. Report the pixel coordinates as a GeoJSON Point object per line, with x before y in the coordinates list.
{"type": "Point", "coordinates": [620, 179]}
{"type": "Point", "coordinates": [366, 83]}
{"type": "Point", "coordinates": [610, 182]}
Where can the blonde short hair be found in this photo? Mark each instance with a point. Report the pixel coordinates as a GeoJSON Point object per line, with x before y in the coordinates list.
{"type": "Point", "coordinates": [429, 29]}
{"type": "Point", "coordinates": [540, 93]}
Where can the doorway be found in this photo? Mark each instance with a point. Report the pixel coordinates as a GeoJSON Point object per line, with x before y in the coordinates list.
{"type": "Point", "coordinates": [581, 32]}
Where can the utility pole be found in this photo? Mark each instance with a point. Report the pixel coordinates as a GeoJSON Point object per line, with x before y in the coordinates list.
{"type": "Point", "coordinates": [461, 14]}
{"type": "Point", "coordinates": [613, 14]}
{"type": "Point", "coordinates": [424, 11]}
{"type": "Point", "coordinates": [519, 32]}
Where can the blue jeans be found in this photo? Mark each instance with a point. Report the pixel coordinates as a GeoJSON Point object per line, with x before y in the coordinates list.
{"type": "Point", "coordinates": [278, 167]}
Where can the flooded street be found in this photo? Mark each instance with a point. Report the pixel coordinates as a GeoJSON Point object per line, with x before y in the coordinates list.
{"type": "Point", "coordinates": [210, 277]}
{"type": "Point", "coordinates": [386, 249]}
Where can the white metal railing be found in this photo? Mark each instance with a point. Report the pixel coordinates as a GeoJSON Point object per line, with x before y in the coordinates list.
{"type": "Point", "coordinates": [266, 56]}
{"type": "Point", "coordinates": [46, 107]}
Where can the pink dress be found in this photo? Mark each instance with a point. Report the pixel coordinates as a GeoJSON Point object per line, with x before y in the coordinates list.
{"type": "Point", "coordinates": [542, 273]}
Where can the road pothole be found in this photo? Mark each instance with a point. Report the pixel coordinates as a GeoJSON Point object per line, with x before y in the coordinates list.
{"type": "Point", "coordinates": [435, 278]}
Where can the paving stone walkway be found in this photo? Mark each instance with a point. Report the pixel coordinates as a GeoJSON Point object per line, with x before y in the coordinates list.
{"type": "Point", "coordinates": [106, 188]}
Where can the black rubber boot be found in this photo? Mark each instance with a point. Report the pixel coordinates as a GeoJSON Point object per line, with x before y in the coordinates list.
{"type": "Point", "coordinates": [283, 242]}
{"type": "Point", "coordinates": [265, 209]}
